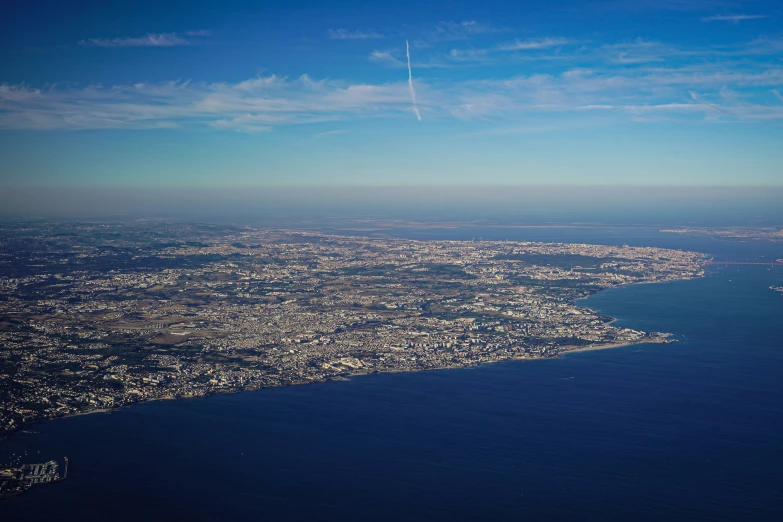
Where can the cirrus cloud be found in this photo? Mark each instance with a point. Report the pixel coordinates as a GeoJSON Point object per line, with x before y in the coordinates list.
{"type": "Point", "coordinates": [148, 40]}
{"type": "Point", "coordinates": [638, 80]}
{"type": "Point", "coordinates": [732, 18]}
{"type": "Point", "coordinates": [345, 34]}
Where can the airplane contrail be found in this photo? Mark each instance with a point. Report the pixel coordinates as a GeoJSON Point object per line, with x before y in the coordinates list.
{"type": "Point", "coordinates": [410, 81]}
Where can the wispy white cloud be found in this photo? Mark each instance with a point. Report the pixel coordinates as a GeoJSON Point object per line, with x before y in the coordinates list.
{"type": "Point", "coordinates": [470, 27]}
{"type": "Point", "coordinates": [637, 52]}
{"type": "Point", "coordinates": [345, 34]}
{"type": "Point", "coordinates": [435, 61]}
{"type": "Point", "coordinates": [502, 53]}
{"type": "Point", "coordinates": [637, 80]}
{"type": "Point", "coordinates": [469, 55]}
{"type": "Point", "coordinates": [628, 58]}
{"type": "Point", "coordinates": [450, 30]}
{"type": "Point", "coordinates": [247, 124]}
{"type": "Point", "coordinates": [760, 46]}
{"type": "Point", "coordinates": [148, 40]}
{"type": "Point", "coordinates": [328, 133]}
{"type": "Point", "coordinates": [386, 58]}
{"type": "Point", "coordinates": [253, 105]}
{"type": "Point", "coordinates": [732, 18]}
{"type": "Point", "coordinates": [536, 44]}
{"type": "Point", "coordinates": [700, 100]}
{"type": "Point", "coordinates": [676, 5]}
{"type": "Point", "coordinates": [673, 92]}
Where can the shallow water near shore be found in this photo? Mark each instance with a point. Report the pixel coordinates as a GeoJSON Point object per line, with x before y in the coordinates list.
{"type": "Point", "coordinates": [685, 431]}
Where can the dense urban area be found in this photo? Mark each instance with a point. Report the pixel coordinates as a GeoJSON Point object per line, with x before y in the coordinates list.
{"type": "Point", "coordinates": [98, 316]}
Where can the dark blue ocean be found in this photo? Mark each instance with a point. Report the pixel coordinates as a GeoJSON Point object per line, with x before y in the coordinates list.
{"type": "Point", "coordinates": [687, 431]}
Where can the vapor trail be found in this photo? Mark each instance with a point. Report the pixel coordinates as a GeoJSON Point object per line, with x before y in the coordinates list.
{"type": "Point", "coordinates": [410, 82]}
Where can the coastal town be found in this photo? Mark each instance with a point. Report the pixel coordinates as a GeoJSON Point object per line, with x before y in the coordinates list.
{"type": "Point", "coordinates": [98, 316]}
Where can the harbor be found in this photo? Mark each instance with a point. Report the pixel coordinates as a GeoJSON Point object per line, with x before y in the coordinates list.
{"type": "Point", "coordinates": [17, 480]}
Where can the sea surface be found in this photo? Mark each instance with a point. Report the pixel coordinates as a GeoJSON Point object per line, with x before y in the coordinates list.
{"type": "Point", "coordinates": [686, 431]}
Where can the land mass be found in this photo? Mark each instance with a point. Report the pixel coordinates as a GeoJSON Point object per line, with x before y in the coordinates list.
{"type": "Point", "coordinates": [769, 234]}
{"type": "Point", "coordinates": [99, 316]}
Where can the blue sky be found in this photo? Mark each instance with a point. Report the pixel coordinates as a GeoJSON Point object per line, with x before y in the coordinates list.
{"type": "Point", "coordinates": [236, 93]}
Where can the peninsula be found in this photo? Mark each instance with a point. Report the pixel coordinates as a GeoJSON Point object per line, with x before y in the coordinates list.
{"type": "Point", "coordinates": [766, 234]}
{"type": "Point", "coordinates": [96, 316]}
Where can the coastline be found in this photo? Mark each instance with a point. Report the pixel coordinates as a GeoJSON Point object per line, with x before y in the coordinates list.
{"type": "Point", "coordinates": [567, 349]}
{"type": "Point", "coordinates": [664, 338]}
{"type": "Point", "coordinates": [623, 344]}
{"type": "Point", "coordinates": [79, 414]}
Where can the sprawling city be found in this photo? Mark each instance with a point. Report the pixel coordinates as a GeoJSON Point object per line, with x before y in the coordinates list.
{"type": "Point", "coordinates": [99, 316]}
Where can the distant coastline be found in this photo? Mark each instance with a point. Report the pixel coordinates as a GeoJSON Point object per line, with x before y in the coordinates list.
{"type": "Point", "coordinates": [740, 234]}
{"type": "Point", "coordinates": [348, 376]}
{"type": "Point", "coordinates": [660, 338]}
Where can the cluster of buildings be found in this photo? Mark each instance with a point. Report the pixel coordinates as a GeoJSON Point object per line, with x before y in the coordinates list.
{"type": "Point", "coordinates": [17, 479]}
{"type": "Point", "coordinates": [104, 316]}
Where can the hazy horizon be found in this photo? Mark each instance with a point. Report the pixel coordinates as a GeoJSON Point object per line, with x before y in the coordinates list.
{"type": "Point", "coordinates": [538, 204]}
